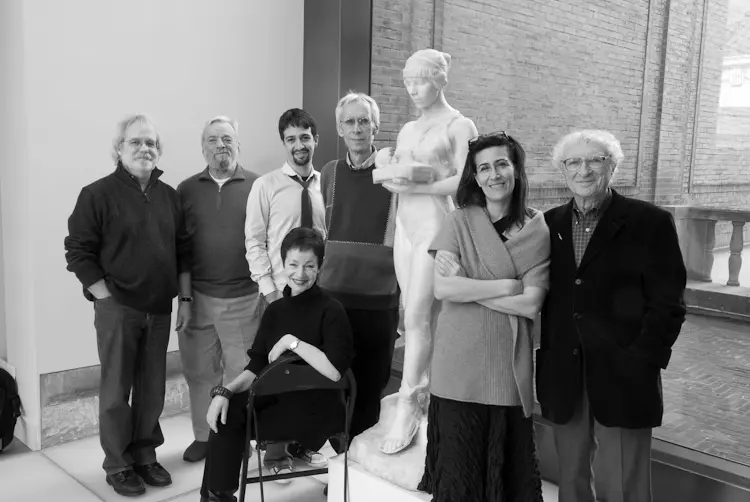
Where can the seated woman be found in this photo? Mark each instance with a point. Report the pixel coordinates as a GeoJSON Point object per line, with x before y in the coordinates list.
{"type": "Point", "coordinates": [492, 273]}
{"type": "Point", "coordinates": [309, 323]}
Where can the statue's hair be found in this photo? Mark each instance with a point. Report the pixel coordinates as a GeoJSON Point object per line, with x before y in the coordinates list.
{"type": "Point", "coordinates": [430, 64]}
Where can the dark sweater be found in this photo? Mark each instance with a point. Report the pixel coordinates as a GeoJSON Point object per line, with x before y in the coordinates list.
{"type": "Point", "coordinates": [215, 221]}
{"type": "Point", "coordinates": [134, 239]}
{"type": "Point", "coordinates": [360, 220]}
{"type": "Point", "coordinates": [312, 316]}
{"type": "Point", "coordinates": [309, 416]}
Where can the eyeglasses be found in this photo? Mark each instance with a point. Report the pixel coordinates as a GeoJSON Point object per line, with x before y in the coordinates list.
{"type": "Point", "coordinates": [363, 122]}
{"type": "Point", "coordinates": [497, 134]}
{"type": "Point", "coordinates": [136, 143]}
{"type": "Point", "coordinates": [593, 163]}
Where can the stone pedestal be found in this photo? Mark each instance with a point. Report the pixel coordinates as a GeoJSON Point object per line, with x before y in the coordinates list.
{"type": "Point", "coordinates": [403, 469]}
{"type": "Point", "coordinates": [365, 487]}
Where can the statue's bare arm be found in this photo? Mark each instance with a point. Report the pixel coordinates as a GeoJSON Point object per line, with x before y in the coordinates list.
{"type": "Point", "coordinates": [461, 131]}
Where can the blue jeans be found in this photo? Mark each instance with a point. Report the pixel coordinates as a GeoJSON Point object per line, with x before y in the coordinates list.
{"type": "Point", "coordinates": [133, 355]}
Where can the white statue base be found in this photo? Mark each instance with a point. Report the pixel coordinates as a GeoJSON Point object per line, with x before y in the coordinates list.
{"type": "Point", "coordinates": [403, 469]}
{"type": "Point", "coordinates": [364, 486]}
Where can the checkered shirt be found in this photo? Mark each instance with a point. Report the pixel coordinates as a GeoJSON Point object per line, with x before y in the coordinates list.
{"type": "Point", "coordinates": [584, 225]}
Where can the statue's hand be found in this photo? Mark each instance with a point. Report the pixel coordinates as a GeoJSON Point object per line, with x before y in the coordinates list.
{"type": "Point", "coordinates": [398, 185]}
{"type": "Point", "coordinates": [384, 157]}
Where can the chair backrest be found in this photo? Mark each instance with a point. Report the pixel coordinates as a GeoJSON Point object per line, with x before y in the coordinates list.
{"type": "Point", "coordinates": [290, 373]}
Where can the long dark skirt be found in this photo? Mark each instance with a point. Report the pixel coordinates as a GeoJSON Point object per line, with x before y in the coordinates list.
{"type": "Point", "coordinates": [480, 453]}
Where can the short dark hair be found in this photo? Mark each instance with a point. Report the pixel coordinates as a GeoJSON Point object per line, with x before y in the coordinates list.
{"type": "Point", "coordinates": [297, 117]}
{"type": "Point", "coordinates": [303, 239]}
{"type": "Point", "coordinates": [469, 192]}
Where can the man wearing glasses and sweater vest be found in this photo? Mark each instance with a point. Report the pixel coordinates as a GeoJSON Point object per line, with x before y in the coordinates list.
{"type": "Point", "coordinates": [359, 269]}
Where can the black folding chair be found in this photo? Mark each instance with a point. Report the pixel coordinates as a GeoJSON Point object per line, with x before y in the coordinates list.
{"type": "Point", "coordinates": [290, 373]}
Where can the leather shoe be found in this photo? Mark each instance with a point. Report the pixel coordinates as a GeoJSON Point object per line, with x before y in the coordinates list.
{"type": "Point", "coordinates": [154, 474]}
{"type": "Point", "coordinates": [126, 483]}
{"type": "Point", "coordinates": [197, 451]}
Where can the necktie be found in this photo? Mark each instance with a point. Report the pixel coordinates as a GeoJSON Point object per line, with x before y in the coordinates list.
{"type": "Point", "coordinates": [307, 220]}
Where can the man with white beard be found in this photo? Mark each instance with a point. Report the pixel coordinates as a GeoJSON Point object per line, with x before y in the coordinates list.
{"type": "Point", "coordinates": [225, 305]}
{"type": "Point", "coordinates": [281, 200]}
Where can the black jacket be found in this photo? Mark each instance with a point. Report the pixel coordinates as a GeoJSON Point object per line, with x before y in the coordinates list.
{"type": "Point", "coordinates": [134, 239]}
{"type": "Point", "coordinates": [613, 319]}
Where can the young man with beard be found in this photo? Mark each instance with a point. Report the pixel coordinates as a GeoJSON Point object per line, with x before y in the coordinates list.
{"type": "Point", "coordinates": [224, 307]}
{"type": "Point", "coordinates": [281, 200]}
{"type": "Point", "coordinates": [127, 244]}
{"type": "Point", "coordinates": [359, 269]}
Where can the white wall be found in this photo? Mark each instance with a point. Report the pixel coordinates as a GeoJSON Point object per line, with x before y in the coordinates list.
{"type": "Point", "coordinates": [84, 65]}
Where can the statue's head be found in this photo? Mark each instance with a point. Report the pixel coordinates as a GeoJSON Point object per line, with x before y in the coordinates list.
{"type": "Point", "coordinates": [426, 75]}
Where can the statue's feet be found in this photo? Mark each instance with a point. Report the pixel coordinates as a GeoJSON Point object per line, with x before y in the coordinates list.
{"type": "Point", "coordinates": [405, 426]}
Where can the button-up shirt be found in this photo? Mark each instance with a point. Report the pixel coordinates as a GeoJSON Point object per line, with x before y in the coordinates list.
{"type": "Point", "coordinates": [364, 165]}
{"type": "Point", "coordinates": [273, 209]}
{"type": "Point", "coordinates": [584, 224]}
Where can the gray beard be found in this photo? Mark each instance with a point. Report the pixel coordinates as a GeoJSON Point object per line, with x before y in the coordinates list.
{"type": "Point", "coordinates": [224, 164]}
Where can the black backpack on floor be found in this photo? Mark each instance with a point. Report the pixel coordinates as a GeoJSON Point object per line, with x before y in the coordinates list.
{"type": "Point", "coordinates": [10, 408]}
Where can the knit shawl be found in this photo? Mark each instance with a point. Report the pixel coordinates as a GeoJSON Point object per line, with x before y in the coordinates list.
{"type": "Point", "coordinates": [470, 362]}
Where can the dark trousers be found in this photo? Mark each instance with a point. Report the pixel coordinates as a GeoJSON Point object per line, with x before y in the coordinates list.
{"type": "Point", "coordinates": [133, 355]}
{"type": "Point", "coordinates": [375, 333]}
{"type": "Point", "coordinates": [222, 468]}
{"type": "Point", "coordinates": [308, 418]}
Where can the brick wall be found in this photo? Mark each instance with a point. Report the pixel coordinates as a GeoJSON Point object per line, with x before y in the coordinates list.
{"type": "Point", "coordinates": [537, 69]}
{"type": "Point", "coordinates": [541, 68]}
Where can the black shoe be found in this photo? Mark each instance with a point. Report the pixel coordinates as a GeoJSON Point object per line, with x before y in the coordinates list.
{"type": "Point", "coordinates": [154, 474]}
{"type": "Point", "coordinates": [226, 496]}
{"type": "Point", "coordinates": [325, 490]}
{"type": "Point", "coordinates": [126, 483]}
{"type": "Point", "coordinates": [196, 451]}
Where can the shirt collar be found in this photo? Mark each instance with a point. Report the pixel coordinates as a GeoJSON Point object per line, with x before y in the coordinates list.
{"type": "Point", "coordinates": [287, 169]}
{"type": "Point", "coordinates": [595, 211]}
{"type": "Point", "coordinates": [368, 163]}
{"type": "Point", "coordinates": [239, 174]}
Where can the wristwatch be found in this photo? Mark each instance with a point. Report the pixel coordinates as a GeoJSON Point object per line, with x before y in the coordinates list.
{"type": "Point", "coordinates": [186, 299]}
{"type": "Point", "coordinates": [222, 391]}
{"type": "Point", "coordinates": [293, 346]}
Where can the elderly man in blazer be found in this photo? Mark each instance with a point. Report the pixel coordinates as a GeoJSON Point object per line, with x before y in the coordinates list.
{"type": "Point", "coordinates": [614, 309]}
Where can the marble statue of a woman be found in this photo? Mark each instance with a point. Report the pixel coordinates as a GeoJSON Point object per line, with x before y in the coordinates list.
{"type": "Point", "coordinates": [424, 171]}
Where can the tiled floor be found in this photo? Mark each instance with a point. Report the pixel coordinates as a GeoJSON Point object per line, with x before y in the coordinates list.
{"type": "Point", "coordinates": [71, 472]}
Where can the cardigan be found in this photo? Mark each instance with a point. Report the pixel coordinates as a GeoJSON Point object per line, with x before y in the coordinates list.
{"type": "Point", "coordinates": [481, 355]}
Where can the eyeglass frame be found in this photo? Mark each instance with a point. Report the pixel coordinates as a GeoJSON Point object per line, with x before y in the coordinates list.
{"type": "Point", "coordinates": [358, 121]}
{"type": "Point", "coordinates": [137, 143]}
{"type": "Point", "coordinates": [587, 162]}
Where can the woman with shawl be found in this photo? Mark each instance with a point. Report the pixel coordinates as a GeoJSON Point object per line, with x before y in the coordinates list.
{"type": "Point", "coordinates": [492, 273]}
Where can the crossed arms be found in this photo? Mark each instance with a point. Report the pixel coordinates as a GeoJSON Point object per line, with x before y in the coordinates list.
{"type": "Point", "coordinates": [509, 296]}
